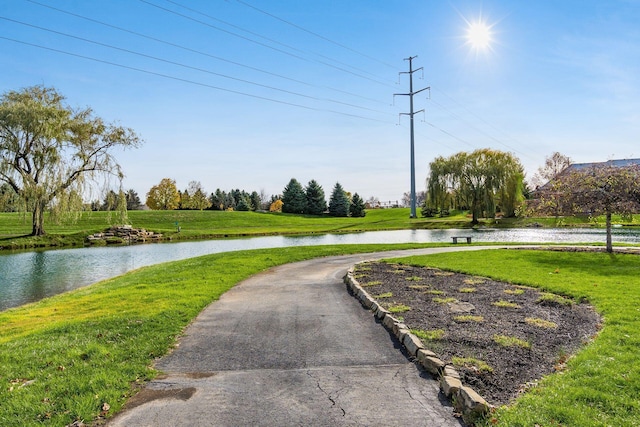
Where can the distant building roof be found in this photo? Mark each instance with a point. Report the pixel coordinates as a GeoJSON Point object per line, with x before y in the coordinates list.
{"type": "Point", "coordinates": [609, 163]}
{"type": "Point", "coordinates": [580, 166]}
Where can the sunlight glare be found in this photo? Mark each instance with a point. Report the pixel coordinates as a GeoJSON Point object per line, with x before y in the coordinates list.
{"type": "Point", "coordinates": [479, 35]}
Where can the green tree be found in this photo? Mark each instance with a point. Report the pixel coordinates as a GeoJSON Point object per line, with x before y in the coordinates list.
{"type": "Point", "coordinates": [164, 196]}
{"type": "Point", "coordinates": [357, 206]}
{"type": "Point", "coordinates": [48, 148]}
{"type": "Point", "coordinates": [9, 201]}
{"type": "Point", "coordinates": [316, 203]}
{"type": "Point", "coordinates": [133, 200]}
{"type": "Point", "coordinates": [184, 199]}
{"type": "Point", "coordinates": [256, 201]}
{"type": "Point", "coordinates": [594, 191]}
{"type": "Point", "coordinates": [244, 204]}
{"type": "Point", "coordinates": [217, 200]}
{"type": "Point", "coordinates": [339, 202]}
{"type": "Point", "coordinates": [199, 200]}
{"type": "Point", "coordinates": [293, 198]}
{"type": "Point", "coordinates": [477, 180]}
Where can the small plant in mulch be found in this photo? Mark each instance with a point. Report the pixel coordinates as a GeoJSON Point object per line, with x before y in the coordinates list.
{"type": "Point", "coordinates": [431, 335]}
{"type": "Point", "coordinates": [472, 364]}
{"type": "Point", "coordinates": [553, 299]}
{"type": "Point", "coordinates": [443, 273]}
{"type": "Point", "coordinates": [398, 308]}
{"type": "Point", "coordinates": [384, 295]}
{"type": "Point", "coordinates": [467, 290]}
{"type": "Point", "coordinates": [439, 300]}
{"type": "Point", "coordinates": [508, 341]}
{"type": "Point", "coordinates": [541, 323]}
{"type": "Point", "coordinates": [372, 283]}
{"type": "Point", "coordinates": [474, 281]}
{"type": "Point", "coordinates": [434, 292]}
{"type": "Point", "coordinates": [418, 287]}
{"type": "Point", "coordinates": [468, 318]}
{"type": "Point", "coordinates": [413, 278]}
{"type": "Point", "coordinates": [505, 304]}
{"type": "Point", "coordinates": [514, 291]}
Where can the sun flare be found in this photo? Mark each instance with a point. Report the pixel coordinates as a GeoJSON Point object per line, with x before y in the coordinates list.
{"type": "Point", "coordinates": [479, 35]}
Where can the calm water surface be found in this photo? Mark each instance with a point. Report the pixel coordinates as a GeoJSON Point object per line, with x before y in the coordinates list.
{"type": "Point", "coordinates": [29, 276]}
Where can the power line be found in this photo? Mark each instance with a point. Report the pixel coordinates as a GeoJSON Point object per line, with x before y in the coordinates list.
{"type": "Point", "coordinates": [315, 34]}
{"type": "Point", "coordinates": [479, 118]}
{"type": "Point", "coordinates": [260, 43]}
{"type": "Point", "coordinates": [167, 61]}
{"type": "Point", "coordinates": [180, 79]}
{"type": "Point", "coordinates": [218, 58]}
{"type": "Point", "coordinates": [267, 38]}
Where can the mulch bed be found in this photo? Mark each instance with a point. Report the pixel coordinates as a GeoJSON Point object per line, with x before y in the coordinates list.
{"type": "Point", "coordinates": [463, 324]}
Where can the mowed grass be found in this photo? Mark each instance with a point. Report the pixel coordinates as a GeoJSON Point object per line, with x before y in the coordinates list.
{"type": "Point", "coordinates": [62, 359]}
{"type": "Point", "coordinates": [14, 227]}
{"type": "Point", "coordinates": [211, 224]}
{"type": "Point", "coordinates": [601, 384]}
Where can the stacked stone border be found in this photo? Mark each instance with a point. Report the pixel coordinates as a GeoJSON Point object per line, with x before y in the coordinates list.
{"type": "Point", "coordinates": [124, 234]}
{"type": "Point", "coordinates": [466, 401]}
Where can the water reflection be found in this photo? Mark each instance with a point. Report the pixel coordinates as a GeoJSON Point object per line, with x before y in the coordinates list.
{"type": "Point", "coordinates": [29, 276]}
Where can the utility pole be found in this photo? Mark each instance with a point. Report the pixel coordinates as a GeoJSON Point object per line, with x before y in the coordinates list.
{"type": "Point", "coordinates": [411, 113]}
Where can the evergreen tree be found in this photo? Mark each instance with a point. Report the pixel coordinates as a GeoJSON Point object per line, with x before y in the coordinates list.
{"type": "Point", "coordinates": [133, 200]}
{"type": "Point", "coordinates": [256, 203]}
{"type": "Point", "coordinates": [244, 204]}
{"type": "Point", "coordinates": [316, 203]}
{"type": "Point", "coordinates": [339, 203]}
{"type": "Point", "coordinates": [217, 200]}
{"type": "Point", "coordinates": [357, 206]}
{"type": "Point", "coordinates": [230, 202]}
{"type": "Point", "coordinates": [293, 198]}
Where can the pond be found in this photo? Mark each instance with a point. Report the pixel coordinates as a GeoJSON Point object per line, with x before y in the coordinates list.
{"type": "Point", "coordinates": [30, 276]}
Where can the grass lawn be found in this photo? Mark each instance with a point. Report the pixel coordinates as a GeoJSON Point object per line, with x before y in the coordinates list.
{"type": "Point", "coordinates": [601, 384]}
{"type": "Point", "coordinates": [14, 227]}
{"type": "Point", "coordinates": [76, 355]}
{"type": "Point", "coordinates": [81, 354]}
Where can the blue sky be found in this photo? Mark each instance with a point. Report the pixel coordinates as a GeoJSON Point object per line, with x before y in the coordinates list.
{"type": "Point", "coordinates": [248, 94]}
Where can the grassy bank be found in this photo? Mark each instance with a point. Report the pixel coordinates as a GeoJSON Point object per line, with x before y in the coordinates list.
{"type": "Point", "coordinates": [216, 224]}
{"type": "Point", "coordinates": [600, 386]}
{"type": "Point", "coordinates": [81, 354]}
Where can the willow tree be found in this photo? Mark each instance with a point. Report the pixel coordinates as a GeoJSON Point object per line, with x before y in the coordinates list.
{"type": "Point", "coordinates": [478, 180]}
{"type": "Point", "coordinates": [49, 150]}
{"type": "Point", "coordinates": [593, 191]}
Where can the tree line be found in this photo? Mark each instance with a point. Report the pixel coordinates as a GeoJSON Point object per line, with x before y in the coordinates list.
{"type": "Point", "coordinates": [296, 199]}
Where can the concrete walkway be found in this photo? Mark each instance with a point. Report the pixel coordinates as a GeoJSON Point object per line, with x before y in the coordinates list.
{"type": "Point", "coordinates": [290, 347]}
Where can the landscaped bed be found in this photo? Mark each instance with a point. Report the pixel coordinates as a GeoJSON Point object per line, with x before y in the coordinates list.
{"type": "Point", "coordinates": [501, 337]}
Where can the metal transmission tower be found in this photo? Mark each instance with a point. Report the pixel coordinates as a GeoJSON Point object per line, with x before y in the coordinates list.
{"type": "Point", "coordinates": [411, 113]}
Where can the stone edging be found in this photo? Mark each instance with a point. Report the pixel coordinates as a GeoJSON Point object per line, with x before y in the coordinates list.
{"type": "Point", "coordinates": [465, 400]}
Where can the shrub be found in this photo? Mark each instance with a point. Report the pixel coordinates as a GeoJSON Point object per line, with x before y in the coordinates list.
{"type": "Point", "coordinates": [276, 206]}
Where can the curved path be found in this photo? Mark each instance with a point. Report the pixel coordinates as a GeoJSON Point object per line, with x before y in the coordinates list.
{"type": "Point", "coordinates": [291, 347]}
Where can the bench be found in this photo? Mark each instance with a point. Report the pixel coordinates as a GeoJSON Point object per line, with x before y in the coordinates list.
{"type": "Point", "coordinates": [455, 239]}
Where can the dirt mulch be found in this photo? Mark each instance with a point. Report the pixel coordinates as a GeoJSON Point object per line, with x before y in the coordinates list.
{"type": "Point", "coordinates": [464, 317]}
